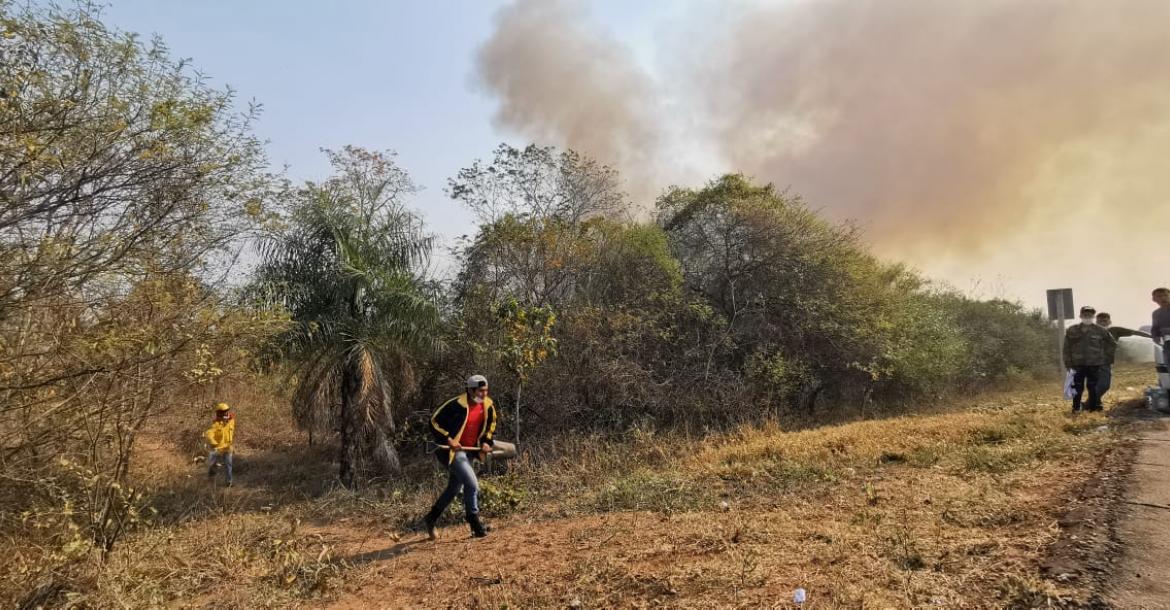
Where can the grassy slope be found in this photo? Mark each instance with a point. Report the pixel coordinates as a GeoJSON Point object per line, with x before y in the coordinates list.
{"type": "Point", "coordinates": [955, 508]}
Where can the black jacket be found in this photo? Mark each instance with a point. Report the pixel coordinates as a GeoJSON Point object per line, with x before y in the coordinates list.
{"type": "Point", "coordinates": [450, 418]}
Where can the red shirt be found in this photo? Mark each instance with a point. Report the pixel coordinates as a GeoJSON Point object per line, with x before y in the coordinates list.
{"type": "Point", "coordinates": [470, 436]}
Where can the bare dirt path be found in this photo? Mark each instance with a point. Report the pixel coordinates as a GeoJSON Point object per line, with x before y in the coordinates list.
{"type": "Point", "coordinates": [1143, 577]}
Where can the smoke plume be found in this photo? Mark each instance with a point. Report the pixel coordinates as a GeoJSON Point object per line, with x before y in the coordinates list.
{"type": "Point", "coordinates": [1023, 145]}
{"type": "Point", "coordinates": [563, 83]}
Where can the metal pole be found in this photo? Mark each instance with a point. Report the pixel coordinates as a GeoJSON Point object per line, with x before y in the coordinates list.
{"type": "Point", "coordinates": [1060, 336]}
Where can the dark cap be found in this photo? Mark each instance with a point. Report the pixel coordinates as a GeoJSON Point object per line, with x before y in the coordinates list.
{"type": "Point", "coordinates": [1088, 310]}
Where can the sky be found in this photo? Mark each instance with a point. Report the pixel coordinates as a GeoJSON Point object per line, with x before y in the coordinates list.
{"type": "Point", "coordinates": [998, 146]}
{"type": "Point", "coordinates": [383, 75]}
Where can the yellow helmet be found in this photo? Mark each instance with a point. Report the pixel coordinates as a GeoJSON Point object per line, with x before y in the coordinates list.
{"type": "Point", "coordinates": [221, 407]}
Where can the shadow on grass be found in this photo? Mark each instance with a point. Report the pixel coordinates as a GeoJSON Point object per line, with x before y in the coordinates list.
{"type": "Point", "coordinates": [383, 554]}
{"type": "Point", "coordinates": [265, 481]}
{"type": "Point", "coordinates": [1135, 409]}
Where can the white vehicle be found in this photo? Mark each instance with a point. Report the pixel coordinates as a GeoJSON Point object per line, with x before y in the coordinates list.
{"type": "Point", "coordinates": [1160, 363]}
{"type": "Point", "coordinates": [1159, 398]}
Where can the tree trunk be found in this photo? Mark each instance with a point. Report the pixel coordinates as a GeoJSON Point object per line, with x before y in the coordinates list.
{"type": "Point", "coordinates": [809, 400]}
{"type": "Point", "coordinates": [349, 390]}
{"type": "Point", "coordinates": [519, 388]}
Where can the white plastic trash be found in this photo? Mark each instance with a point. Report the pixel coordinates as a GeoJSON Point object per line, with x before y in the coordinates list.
{"type": "Point", "coordinates": [799, 596]}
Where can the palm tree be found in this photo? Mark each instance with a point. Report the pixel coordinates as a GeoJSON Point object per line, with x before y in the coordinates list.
{"type": "Point", "coordinates": [349, 268]}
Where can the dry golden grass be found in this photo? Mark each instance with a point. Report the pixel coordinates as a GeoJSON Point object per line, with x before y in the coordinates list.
{"type": "Point", "coordinates": [953, 509]}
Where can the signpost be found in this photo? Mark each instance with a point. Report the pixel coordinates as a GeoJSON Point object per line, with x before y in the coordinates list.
{"type": "Point", "coordinates": [1060, 308]}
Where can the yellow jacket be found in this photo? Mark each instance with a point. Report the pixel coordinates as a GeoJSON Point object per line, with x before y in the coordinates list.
{"type": "Point", "coordinates": [220, 435]}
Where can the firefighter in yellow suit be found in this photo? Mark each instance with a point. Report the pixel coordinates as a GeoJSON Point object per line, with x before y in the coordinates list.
{"type": "Point", "coordinates": [220, 435]}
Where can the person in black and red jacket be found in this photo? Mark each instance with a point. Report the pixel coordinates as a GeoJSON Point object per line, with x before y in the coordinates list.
{"type": "Point", "coordinates": [466, 421]}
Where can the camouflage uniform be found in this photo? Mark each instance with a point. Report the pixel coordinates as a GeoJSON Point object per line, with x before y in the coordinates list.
{"type": "Point", "coordinates": [1087, 348]}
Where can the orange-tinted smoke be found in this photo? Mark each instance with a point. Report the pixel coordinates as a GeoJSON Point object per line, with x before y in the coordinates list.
{"type": "Point", "coordinates": [1021, 144]}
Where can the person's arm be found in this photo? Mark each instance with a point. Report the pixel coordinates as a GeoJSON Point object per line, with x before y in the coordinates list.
{"type": "Point", "coordinates": [1066, 354]}
{"type": "Point", "coordinates": [436, 416]}
{"type": "Point", "coordinates": [1118, 332]}
{"type": "Point", "coordinates": [439, 425]}
{"type": "Point", "coordinates": [1156, 329]}
{"type": "Point", "coordinates": [490, 425]}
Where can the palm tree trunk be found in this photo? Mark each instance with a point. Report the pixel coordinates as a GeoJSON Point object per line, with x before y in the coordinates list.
{"type": "Point", "coordinates": [349, 392]}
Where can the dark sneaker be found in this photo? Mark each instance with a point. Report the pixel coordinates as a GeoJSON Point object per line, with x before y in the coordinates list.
{"type": "Point", "coordinates": [478, 529]}
{"type": "Point", "coordinates": [429, 527]}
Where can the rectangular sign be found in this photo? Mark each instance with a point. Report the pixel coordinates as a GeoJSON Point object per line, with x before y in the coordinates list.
{"type": "Point", "coordinates": [1060, 304]}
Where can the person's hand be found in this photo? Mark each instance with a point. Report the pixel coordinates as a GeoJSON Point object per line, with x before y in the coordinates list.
{"type": "Point", "coordinates": [485, 449]}
{"type": "Point", "coordinates": [454, 444]}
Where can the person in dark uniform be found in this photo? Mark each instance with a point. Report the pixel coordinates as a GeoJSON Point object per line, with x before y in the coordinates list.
{"type": "Point", "coordinates": [1086, 350]}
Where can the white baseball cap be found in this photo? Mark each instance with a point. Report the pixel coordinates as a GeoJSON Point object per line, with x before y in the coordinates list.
{"type": "Point", "coordinates": [476, 381]}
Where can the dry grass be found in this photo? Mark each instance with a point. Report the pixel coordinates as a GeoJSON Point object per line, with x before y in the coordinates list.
{"type": "Point", "coordinates": [954, 509]}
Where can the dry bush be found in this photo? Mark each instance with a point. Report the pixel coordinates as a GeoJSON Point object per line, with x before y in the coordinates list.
{"type": "Point", "coordinates": [69, 443]}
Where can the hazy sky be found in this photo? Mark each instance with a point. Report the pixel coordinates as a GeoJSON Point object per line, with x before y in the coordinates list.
{"type": "Point", "coordinates": [1002, 146]}
{"type": "Point", "coordinates": [380, 74]}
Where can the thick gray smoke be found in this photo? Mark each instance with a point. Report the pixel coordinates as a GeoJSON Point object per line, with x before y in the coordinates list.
{"type": "Point", "coordinates": [562, 83]}
{"type": "Point", "coordinates": [1026, 144]}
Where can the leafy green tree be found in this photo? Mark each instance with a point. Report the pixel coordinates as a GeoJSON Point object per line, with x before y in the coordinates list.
{"type": "Point", "coordinates": [349, 268]}
{"type": "Point", "coordinates": [806, 308]}
{"type": "Point", "coordinates": [533, 205]}
{"type": "Point", "coordinates": [527, 342]}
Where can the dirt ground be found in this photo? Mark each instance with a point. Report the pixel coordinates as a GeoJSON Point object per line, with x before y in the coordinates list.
{"type": "Point", "coordinates": [903, 537]}
{"type": "Point", "coordinates": [1007, 501]}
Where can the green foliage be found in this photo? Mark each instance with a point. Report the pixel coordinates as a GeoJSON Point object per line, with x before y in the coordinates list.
{"type": "Point", "coordinates": [739, 296]}
{"type": "Point", "coordinates": [630, 266]}
{"type": "Point", "coordinates": [528, 338]}
{"type": "Point", "coordinates": [501, 495]}
{"type": "Point", "coordinates": [650, 491]}
{"type": "Point", "coordinates": [1002, 338]}
{"type": "Point", "coordinates": [807, 309]}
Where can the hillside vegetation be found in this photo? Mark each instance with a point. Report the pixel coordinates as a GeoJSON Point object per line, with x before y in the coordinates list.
{"type": "Point", "coordinates": [645, 362]}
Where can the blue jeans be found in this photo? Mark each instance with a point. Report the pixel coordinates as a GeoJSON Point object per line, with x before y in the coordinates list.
{"type": "Point", "coordinates": [222, 458]}
{"type": "Point", "coordinates": [1104, 380]}
{"type": "Point", "coordinates": [461, 476]}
